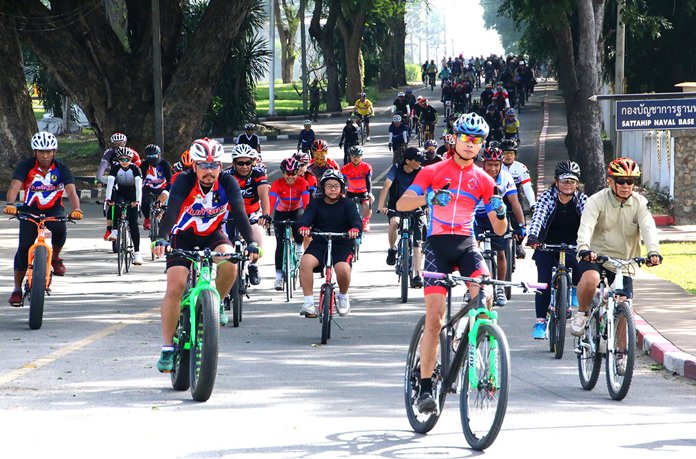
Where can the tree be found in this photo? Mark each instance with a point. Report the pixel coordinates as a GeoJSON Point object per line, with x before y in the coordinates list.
{"type": "Point", "coordinates": [324, 37]}
{"type": "Point", "coordinates": [351, 24]}
{"type": "Point", "coordinates": [110, 75]}
{"type": "Point", "coordinates": [287, 31]}
{"type": "Point", "coordinates": [385, 42]}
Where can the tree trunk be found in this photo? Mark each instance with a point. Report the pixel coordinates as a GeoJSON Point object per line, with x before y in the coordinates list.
{"type": "Point", "coordinates": [351, 25]}
{"type": "Point", "coordinates": [17, 121]}
{"type": "Point", "coordinates": [324, 38]}
{"type": "Point", "coordinates": [399, 50]}
{"type": "Point", "coordinates": [286, 33]}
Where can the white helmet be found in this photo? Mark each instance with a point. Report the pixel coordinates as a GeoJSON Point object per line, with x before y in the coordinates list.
{"type": "Point", "coordinates": [400, 94]}
{"type": "Point", "coordinates": [118, 137]}
{"type": "Point", "coordinates": [44, 141]}
{"type": "Point", "coordinates": [206, 150]}
{"type": "Point", "coordinates": [243, 151]}
{"type": "Point", "coordinates": [396, 118]}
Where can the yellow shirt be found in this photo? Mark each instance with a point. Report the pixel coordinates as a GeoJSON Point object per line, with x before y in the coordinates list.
{"type": "Point", "coordinates": [363, 108]}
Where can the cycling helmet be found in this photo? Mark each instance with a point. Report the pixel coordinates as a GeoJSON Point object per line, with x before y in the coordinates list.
{"type": "Point", "coordinates": [333, 174]}
{"type": "Point", "coordinates": [243, 151]}
{"type": "Point", "coordinates": [567, 169]}
{"type": "Point", "coordinates": [320, 145]}
{"type": "Point", "coordinates": [623, 167]}
{"type": "Point", "coordinates": [430, 143]}
{"type": "Point", "coordinates": [414, 154]}
{"type": "Point", "coordinates": [362, 94]}
{"type": "Point", "coordinates": [449, 139]}
{"type": "Point", "coordinates": [471, 124]}
{"type": "Point", "coordinates": [186, 159]}
{"type": "Point", "coordinates": [302, 158]}
{"type": "Point", "coordinates": [511, 112]}
{"type": "Point", "coordinates": [307, 123]}
{"type": "Point", "coordinates": [249, 126]}
{"type": "Point", "coordinates": [419, 98]}
{"type": "Point", "coordinates": [494, 143]}
{"type": "Point", "coordinates": [152, 150]}
{"type": "Point", "coordinates": [409, 91]}
{"type": "Point", "coordinates": [118, 137]}
{"type": "Point", "coordinates": [396, 118]}
{"type": "Point", "coordinates": [289, 165]}
{"type": "Point", "coordinates": [508, 145]}
{"type": "Point", "coordinates": [356, 151]}
{"type": "Point", "coordinates": [492, 154]}
{"type": "Point", "coordinates": [124, 151]}
{"type": "Point", "coordinates": [401, 94]}
{"type": "Point", "coordinates": [206, 150]}
{"type": "Point", "coordinates": [44, 141]}
{"type": "Point", "coordinates": [423, 100]}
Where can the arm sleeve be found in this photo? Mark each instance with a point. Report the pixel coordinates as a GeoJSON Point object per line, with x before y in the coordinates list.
{"type": "Point", "coordinates": [304, 197]}
{"type": "Point", "coordinates": [138, 189]}
{"type": "Point", "coordinates": [167, 172]}
{"type": "Point", "coordinates": [236, 204]}
{"type": "Point", "coordinates": [110, 180]}
{"type": "Point", "coordinates": [529, 193]}
{"type": "Point", "coordinates": [273, 195]}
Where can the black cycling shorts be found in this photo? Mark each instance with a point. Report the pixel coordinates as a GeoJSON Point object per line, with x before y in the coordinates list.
{"type": "Point", "coordinates": [588, 266]}
{"type": "Point", "coordinates": [448, 253]}
{"type": "Point", "coordinates": [189, 241]}
{"type": "Point", "coordinates": [339, 253]}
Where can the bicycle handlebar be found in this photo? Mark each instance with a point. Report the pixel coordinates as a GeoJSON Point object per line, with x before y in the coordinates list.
{"type": "Point", "coordinates": [328, 234]}
{"type": "Point", "coordinates": [201, 254]}
{"type": "Point", "coordinates": [452, 280]}
{"type": "Point", "coordinates": [556, 247]}
{"type": "Point", "coordinates": [491, 234]}
{"type": "Point", "coordinates": [38, 218]}
{"type": "Point", "coordinates": [619, 263]}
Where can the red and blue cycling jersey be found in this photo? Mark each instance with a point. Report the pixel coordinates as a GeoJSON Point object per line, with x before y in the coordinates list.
{"type": "Point", "coordinates": [284, 197]}
{"type": "Point", "coordinates": [358, 177]}
{"type": "Point", "coordinates": [468, 184]}
{"type": "Point", "coordinates": [43, 191]}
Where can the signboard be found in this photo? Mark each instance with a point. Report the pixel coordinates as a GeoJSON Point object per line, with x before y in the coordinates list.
{"type": "Point", "coordinates": [655, 114]}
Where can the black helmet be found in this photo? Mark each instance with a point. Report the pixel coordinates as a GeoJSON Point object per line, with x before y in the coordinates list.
{"type": "Point", "coordinates": [153, 150]}
{"type": "Point", "coordinates": [508, 145]}
{"type": "Point", "coordinates": [567, 169]}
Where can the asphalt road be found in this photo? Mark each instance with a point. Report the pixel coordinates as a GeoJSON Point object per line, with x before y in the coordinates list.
{"type": "Point", "coordinates": [85, 384]}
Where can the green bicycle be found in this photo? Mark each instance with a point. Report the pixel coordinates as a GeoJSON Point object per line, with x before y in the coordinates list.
{"type": "Point", "coordinates": [291, 258]}
{"type": "Point", "coordinates": [197, 334]}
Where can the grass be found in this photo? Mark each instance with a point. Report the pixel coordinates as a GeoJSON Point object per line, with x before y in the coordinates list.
{"type": "Point", "coordinates": [677, 267]}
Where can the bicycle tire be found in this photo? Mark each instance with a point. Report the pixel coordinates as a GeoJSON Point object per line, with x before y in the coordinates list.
{"type": "Point", "coordinates": [120, 253]}
{"type": "Point", "coordinates": [326, 302]}
{"type": "Point", "coordinates": [589, 357]}
{"type": "Point", "coordinates": [474, 401]}
{"type": "Point", "coordinates": [180, 371]}
{"type": "Point", "coordinates": [38, 287]}
{"type": "Point", "coordinates": [356, 248]}
{"type": "Point", "coordinates": [237, 298]}
{"type": "Point", "coordinates": [617, 384]}
{"type": "Point", "coordinates": [405, 260]}
{"type": "Point", "coordinates": [560, 316]}
{"type": "Point", "coordinates": [510, 265]}
{"type": "Point", "coordinates": [129, 247]}
{"type": "Point", "coordinates": [287, 269]}
{"type": "Point", "coordinates": [422, 423]}
{"type": "Point", "coordinates": [204, 349]}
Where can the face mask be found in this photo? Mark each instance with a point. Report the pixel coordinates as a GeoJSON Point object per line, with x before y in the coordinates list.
{"type": "Point", "coordinates": [153, 161]}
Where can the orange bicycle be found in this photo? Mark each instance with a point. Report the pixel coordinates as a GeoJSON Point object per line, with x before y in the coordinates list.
{"type": "Point", "coordinates": [39, 273]}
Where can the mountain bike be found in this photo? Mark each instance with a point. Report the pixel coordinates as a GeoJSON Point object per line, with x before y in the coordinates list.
{"type": "Point", "coordinates": [610, 333]}
{"type": "Point", "coordinates": [157, 211]}
{"type": "Point", "coordinates": [362, 121]}
{"type": "Point", "coordinates": [431, 81]}
{"type": "Point", "coordinates": [39, 273]}
{"type": "Point", "coordinates": [197, 334]}
{"type": "Point", "coordinates": [561, 291]}
{"type": "Point", "coordinates": [291, 259]}
{"type": "Point", "coordinates": [473, 359]}
{"type": "Point", "coordinates": [404, 266]}
{"type": "Point", "coordinates": [358, 240]}
{"type": "Point", "coordinates": [490, 255]}
{"type": "Point", "coordinates": [234, 300]}
{"type": "Point", "coordinates": [124, 243]}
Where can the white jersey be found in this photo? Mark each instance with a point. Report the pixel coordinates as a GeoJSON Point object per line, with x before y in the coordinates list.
{"type": "Point", "coordinates": [505, 186]}
{"type": "Point", "coordinates": [520, 174]}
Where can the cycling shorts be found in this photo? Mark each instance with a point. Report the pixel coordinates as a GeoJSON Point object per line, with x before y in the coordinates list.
{"type": "Point", "coordinates": [189, 241]}
{"type": "Point", "coordinates": [452, 252]}
{"type": "Point", "coordinates": [339, 252]}
{"type": "Point", "coordinates": [365, 196]}
{"type": "Point", "coordinates": [483, 224]}
{"type": "Point", "coordinates": [418, 230]}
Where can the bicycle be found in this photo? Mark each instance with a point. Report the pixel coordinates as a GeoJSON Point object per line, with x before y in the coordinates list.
{"type": "Point", "coordinates": [234, 300]}
{"type": "Point", "coordinates": [327, 296]}
{"type": "Point", "coordinates": [291, 259]}
{"type": "Point", "coordinates": [404, 266]}
{"type": "Point", "coordinates": [448, 110]}
{"type": "Point", "coordinates": [479, 369]}
{"type": "Point", "coordinates": [124, 244]}
{"type": "Point", "coordinates": [362, 127]}
{"type": "Point", "coordinates": [398, 152]}
{"type": "Point", "coordinates": [610, 319]}
{"type": "Point", "coordinates": [39, 273]}
{"type": "Point", "coordinates": [157, 211]}
{"type": "Point", "coordinates": [561, 291]}
{"type": "Point", "coordinates": [358, 240]}
{"type": "Point", "coordinates": [196, 340]}
{"type": "Point", "coordinates": [431, 81]}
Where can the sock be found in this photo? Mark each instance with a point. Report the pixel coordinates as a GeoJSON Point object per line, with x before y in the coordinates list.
{"type": "Point", "coordinates": [167, 347]}
{"type": "Point", "coordinates": [342, 295]}
{"type": "Point", "coordinates": [309, 299]}
{"type": "Point", "coordinates": [426, 385]}
{"type": "Point", "coordinates": [279, 275]}
{"type": "Point", "coordinates": [109, 228]}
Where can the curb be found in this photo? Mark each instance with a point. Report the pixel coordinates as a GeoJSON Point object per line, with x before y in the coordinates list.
{"type": "Point", "coordinates": [662, 351]}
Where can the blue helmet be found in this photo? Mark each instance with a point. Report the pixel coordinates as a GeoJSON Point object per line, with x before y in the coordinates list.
{"type": "Point", "coordinates": [471, 124]}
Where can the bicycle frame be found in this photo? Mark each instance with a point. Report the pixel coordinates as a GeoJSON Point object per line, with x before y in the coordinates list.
{"type": "Point", "coordinates": [405, 234]}
{"type": "Point", "coordinates": [40, 241]}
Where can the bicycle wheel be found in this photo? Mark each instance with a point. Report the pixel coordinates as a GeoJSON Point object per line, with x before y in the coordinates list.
{"type": "Point", "coordinates": [405, 260]}
{"type": "Point", "coordinates": [38, 287]}
{"type": "Point", "coordinates": [129, 247]}
{"type": "Point", "coordinates": [483, 403]}
{"type": "Point", "coordinates": [154, 227]}
{"type": "Point", "coordinates": [237, 298]}
{"type": "Point", "coordinates": [182, 356]}
{"type": "Point", "coordinates": [204, 350]}
{"type": "Point", "coordinates": [422, 423]}
{"type": "Point", "coordinates": [121, 253]}
{"type": "Point", "coordinates": [618, 383]}
{"type": "Point", "coordinates": [326, 303]}
{"type": "Point", "coordinates": [589, 357]}
{"type": "Point", "coordinates": [287, 268]}
{"type": "Point", "coordinates": [509, 265]}
{"type": "Point", "coordinates": [559, 315]}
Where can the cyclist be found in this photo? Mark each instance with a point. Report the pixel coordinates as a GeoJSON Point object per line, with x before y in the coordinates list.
{"type": "Point", "coordinates": [398, 138]}
{"type": "Point", "coordinates": [430, 152]}
{"type": "Point", "coordinates": [332, 212]}
{"type": "Point", "coordinates": [446, 150]}
{"type": "Point", "coordinates": [314, 100]}
{"type": "Point", "coordinates": [400, 107]}
{"type": "Point", "coordinates": [108, 160]}
{"type": "Point", "coordinates": [501, 98]}
{"type": "Point", "coordinates": [255, 188]}
{"type": "Point", "coordinates": [125, 184]}
{"type": "Point", "coordinates": [321, 162]}
{"type": "Point", "coordinates": [495, 122]}
{"type": "Point", "coordinates": [511, 125]}
{"type": "Point", "coordinates": [427, 118]}
{"type": "Point", "coordinates": [307, 137]}
{"type": "Point", "coordinates": [289, 195]}
{"type": "Point", "coordinates": [44, 180]}
{"type": "Point", "coordinates": [411, 101]}
{"type": "Point", "coordinates": [249, 137]}
{"type": "Point", "coordinates": [157, 179]}
{"type": "Point", "coordinates": [518, 171]}
{"type": "Point", "coordinates": [613, 223]}
{"type": "Point", "coordinates": [450, 242]}
{"type": "Point", "coordinates": [198, 203]}
{"type": "Point", "coordinates": [358, 175]}
{"type": "Point", "coordinates": [397, 181]}
{"type": "Point", "coordinates": [444, 75]}
{"type": "Point", "coordinates": [432, 72]}
{"type": "Point", "coordinates": [487, 95]}
{"type": "Point", "coordinates": [304, 159]}
{"type": "Point", "coordinates": [424, 72]}
{"type": "Point", "coordinates": [556, 220]}
{"type": "Point", "coordinates": [492, 164]}
{"type": "Point", "coordinates": [363, 111]}
{"type": "Point", "coordinates": [184, 164]}
{"type": "Point", "coordinates": [349, 138]}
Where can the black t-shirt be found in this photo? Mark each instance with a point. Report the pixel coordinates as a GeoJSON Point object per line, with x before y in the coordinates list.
{"type": "Point", "coordinates": [401, 180]}
{"type": "Point", "coordinates": [335, 218]}
{"type": "Point", "coordinates": [564, 224]}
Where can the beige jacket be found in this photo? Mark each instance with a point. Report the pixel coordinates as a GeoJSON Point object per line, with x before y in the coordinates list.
{"type": "Point", "coordinates": [610, 228]}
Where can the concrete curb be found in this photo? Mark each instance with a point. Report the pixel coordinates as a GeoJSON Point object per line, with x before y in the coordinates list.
{"type": "Point", "coordinates": [662, 351]}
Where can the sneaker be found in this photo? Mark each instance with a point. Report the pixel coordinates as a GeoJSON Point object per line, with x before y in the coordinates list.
{"type": "Point", "coordinates": [223, 316]}
{"type": "Point", "coordinates": [391, 257]}
{"type": "Point", "coordinates": [577, 325]}
{"type": "Point", "coordinates": [500, 298]}
{"type": "Point", "coordinates": [137, 259]}
{"type": "Point", "coordinates": [539, 330]}
{"type": "Point", "coordinates": [146, 224]}
{"type": "Point", "coordinates": [278, 284]}
{"type": "Point", "coordinates": [367, 138]}
{"type": "Point", "coordinates": [165, 364]}
{"type": "Point", "coordinates": [366, 225]}
{"type": "Point", "coordinates": [58, 267]}
{"type": "Point", "coordinates": [620, 364]}
{"type": "Point", "coordinates": [254, 275]}
{"type": "Point", "coordinates": [113, 235]}
{"type": "Point", "coordinates": [308, 309]}
{"type": "Point", "coordinates": [574, 297]}
{"type": "Point", "coordinates": [15, 299]}
{"type": "Point", "coordinates": [520, 253]}
{"type": "Point", "coordinates": [426, 403]}
{"type": "Point", "coordinates": [107, 235]}
{"type": "Point", "coordinates": [417, 282]}
{"type": "Point", "coordinates": [342, 305]}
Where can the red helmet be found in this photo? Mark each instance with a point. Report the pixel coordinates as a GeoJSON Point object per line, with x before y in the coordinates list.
{"type": "Point", "coordinates": [320, 145]}
{"type": "Point", "coordinates": [623, 167]}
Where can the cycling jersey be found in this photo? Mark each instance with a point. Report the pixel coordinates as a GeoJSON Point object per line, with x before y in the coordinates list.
{"type": "Point", "coordinates": [307, 138]}
{"type": "Point", "coordinates": [469, 185]}
{"type": "Point", "coordinates": [109, 159]}
{"type": "Point", "coordinates": [428, 115]}
{"type": "Point", "coordinates": [520, 174]}
{"type": "Point", "coordinates": [156, 178]}
{"type": "Point", "coordinates": [511, 126]}
{"type": "Point", "coordinates": [251, 140]}
{"type": "Point", "coordinates": [250, 187]}
{"type": "Point", "coordinates": [43, 191]}
{"type": "Point", "coordinates": [359, 177]}
{"type": "Point", "coordinates": [284, 197]}
{"type": "Point", "coordinates": [318, 171]}
{"type": "Point", "coordinates": [400, 106]}
{"type": "Point", "coordinates": [506, 187]}
{"type": "Point", "coordinates": [363, 108]}
{"type": "Point", "coordinates": [127, 181]}
{"type": "Point", "coordinates": [398, 135]}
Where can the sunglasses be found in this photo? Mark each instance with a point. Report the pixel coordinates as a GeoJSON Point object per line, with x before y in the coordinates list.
{"type": "Point", "coordinates": [476, 140]}
{"type": "Point", "coordinates": [291, 174]}
{"type": "Point", "coordinates": [210, 166]}
{"type": "Point", "coordinates": [243, 163]}
{"type": "Point", "coordinates": [124, 159]}
{"type": "Point", "coordinates": [624, 181]}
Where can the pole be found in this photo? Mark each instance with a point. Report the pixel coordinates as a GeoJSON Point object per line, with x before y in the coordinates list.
{"type": "Point", "coordinates": [271, 39]}
{"type": "Point", "coordinates": [157, 74]}
{"type": "Point", "coordinates": [303, 45]}
{"type": "Point", "coordinates": [619, 71]}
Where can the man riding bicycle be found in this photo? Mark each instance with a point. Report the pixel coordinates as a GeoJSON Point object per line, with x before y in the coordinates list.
{"type": "Point", "coordinates": [427, 118]}
{"type": "Point", "coordinates": [157, 180]}
{"type": "Point", "coordinates": [451, 190]}
{"type": "Point", "coordinates": [306, 137]}
{"type": "Point", "coordinates": [200, 200]}
{"type": "Point", "coordinates": [398, 138]}
{"type": "Point", "coordinates": [358, 175]}
{"type": "Point", "coordinates": [363, 111]}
